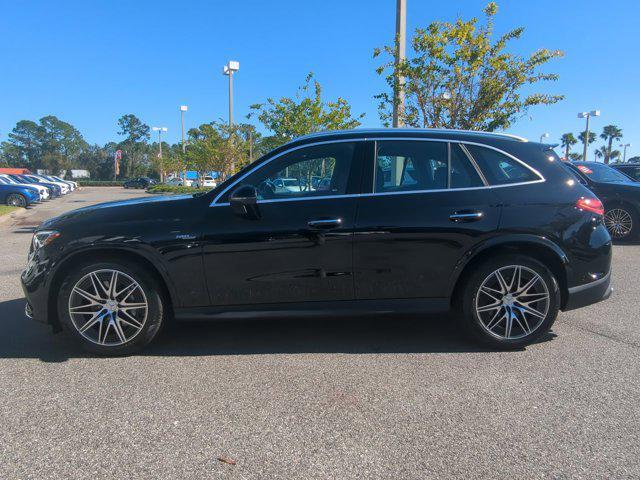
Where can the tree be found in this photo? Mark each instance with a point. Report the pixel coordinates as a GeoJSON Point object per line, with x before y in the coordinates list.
{"type": "Point", "coordinates": [610, 133]}
{"type": "Point", "coordinates": [288, 118]}
{"type": "Point", "coordinates": [134, 147]}
{"type": "Point", "coordinates": [567, 141]}
{"type": "Point", "coordinates": [634, 160]}
{"type": "Point", "coordinates": [459, 77]}
{"type": "Point", "coordinates": [592, 137]}
{"type": "Point", "coordinates": [606, 154]}
{"type": "Point", "coordinates": [51, 144]}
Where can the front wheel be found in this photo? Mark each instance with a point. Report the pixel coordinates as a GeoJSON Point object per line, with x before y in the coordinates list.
{"type": "Point", "coordinates": [510, 301]}
{"type": "Point", "coordinates": [17, 200]}
{"type": "Point", "coordinates": [110, 307]}
{"type": "Point", "coordinates": [621, 222]}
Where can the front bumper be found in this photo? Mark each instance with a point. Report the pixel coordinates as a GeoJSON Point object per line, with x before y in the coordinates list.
{"type": "Point", "coordinates": [589, 293]}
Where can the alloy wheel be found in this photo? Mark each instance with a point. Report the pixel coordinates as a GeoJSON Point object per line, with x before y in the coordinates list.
{"type": "Point", "coordinates": [15, 200]}
{"type": "Point", "coordinates": [619, 222]}
{"type": "Point", "coordinates": [512, 302]}
{"type": "Point", "coordinates": [108, 307]}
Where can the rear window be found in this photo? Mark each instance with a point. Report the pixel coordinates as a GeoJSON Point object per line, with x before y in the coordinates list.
{"type": "Point", "coordinates": [599, 172]}
{"type": "Point", "coordinates": [500, 169]}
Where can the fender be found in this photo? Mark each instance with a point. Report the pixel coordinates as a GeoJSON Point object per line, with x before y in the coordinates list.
{"type": "Point", "coordinates": [512, 239]}
{"type": "Point", "coordinates": [140, 250]}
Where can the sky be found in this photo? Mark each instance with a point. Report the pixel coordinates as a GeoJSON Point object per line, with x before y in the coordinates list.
{"type": "Point", "coordinates": [90, 62]}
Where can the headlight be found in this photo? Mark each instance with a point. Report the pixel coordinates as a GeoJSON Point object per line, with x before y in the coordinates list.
{"type": "Point", "coordinates": [43, 238]}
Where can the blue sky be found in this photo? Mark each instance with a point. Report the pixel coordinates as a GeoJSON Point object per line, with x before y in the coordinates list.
{"type": "Point", "coordinates": [89, 62]}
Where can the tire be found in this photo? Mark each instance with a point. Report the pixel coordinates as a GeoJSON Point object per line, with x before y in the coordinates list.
{"type": "Point", "coordinates": [488, 323]}
{"type": "Point", "coordinates": [17, 200]}
{"type": "Point", "coordinates": [119, 327]}
{"type": "Point", "coordinates": [622, 222]}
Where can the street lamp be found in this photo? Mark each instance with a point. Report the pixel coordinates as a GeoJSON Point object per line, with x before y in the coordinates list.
{"type": "Point", "coordinates": [624, 152]}
{"type": "Point", "coordinates": [183, 108]}
{"type": "Point", "coordinates": [160, 130]}
{"type": "Point", "coordinates": [587, 115]}
{"type": "Point", "coordinates": [401, 42]}
{"type": "Point", "coordinates": [543, 136]}
{"type": "Point", "coordinates": [228, 70]}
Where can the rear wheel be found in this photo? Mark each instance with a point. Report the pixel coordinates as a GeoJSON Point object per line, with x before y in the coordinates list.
{"type": "Point", "coordinates": [110, 307]}
{"type": "Point", "coordinates": [621, 222]}
{"type": "Point", "coordinates": [17, 200]}
{"type": "Point", "coordinates": [510, 301]}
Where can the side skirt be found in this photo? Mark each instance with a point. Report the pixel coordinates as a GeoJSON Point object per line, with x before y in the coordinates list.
{"type": "Point", "coordinates": [316, 309]}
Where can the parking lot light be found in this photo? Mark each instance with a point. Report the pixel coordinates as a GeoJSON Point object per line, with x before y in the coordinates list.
{"type": "Point", "coordinates": [587, 115]}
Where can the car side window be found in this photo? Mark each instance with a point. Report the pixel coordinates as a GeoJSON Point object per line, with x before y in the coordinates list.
{"type": "Point", "coordinates": [499, 169]}
{"type": "Point", "coordinates": [314, 171]}
{"type": "Point", "coordinates": [410, 165]}
{"type": "Point", "coordinates": [463, 173]}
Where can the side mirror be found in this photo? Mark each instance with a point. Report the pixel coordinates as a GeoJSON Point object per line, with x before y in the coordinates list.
{"type": "Point", "coordinates": [244, 202]}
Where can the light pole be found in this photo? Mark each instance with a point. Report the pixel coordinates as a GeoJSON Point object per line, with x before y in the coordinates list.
{"type": "Point", "coordinates": [183, 108]}
{"type": "Point", "coordinates": [400, 43]}
{"type": "Point", "coordinates": [160, 130]}
{"type": "Point", "coordinates": [587, 115]}
{"type": "Point", "coordinates": [228, 70]}
{"type": "Point", "coordinates": [624, 151]}
{"type": "Point", "coordinates": [543, 136]}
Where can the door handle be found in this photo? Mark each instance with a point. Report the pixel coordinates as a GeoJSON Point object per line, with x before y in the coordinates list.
{"type": "Point", "coordinates": [324, 223]}
{"type": "Point", "coordinates": [460, 217]}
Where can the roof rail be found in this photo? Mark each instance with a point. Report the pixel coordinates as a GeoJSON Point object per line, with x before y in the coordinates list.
{"type": "Point", "coordinates": [432, 130]}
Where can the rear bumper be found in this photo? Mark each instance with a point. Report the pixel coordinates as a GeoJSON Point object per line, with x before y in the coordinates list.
{"type": "Point", "coordinates": [590, 293]}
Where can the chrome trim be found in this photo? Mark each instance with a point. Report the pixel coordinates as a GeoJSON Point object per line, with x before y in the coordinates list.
{"type": "Point", "coordinates": [586, 286]}
{"type": "Point", "coordinates": [474, 164]}
{"type": "Point", "coordinates": [456, 216]}
{"type": "Point", "coordinates": [367, 139]}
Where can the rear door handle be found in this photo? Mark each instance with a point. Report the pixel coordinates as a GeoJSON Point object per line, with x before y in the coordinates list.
{"type": "Point", "coordinates": [324, 223]}
{"type": "Point", "coordinates": [466, 216]}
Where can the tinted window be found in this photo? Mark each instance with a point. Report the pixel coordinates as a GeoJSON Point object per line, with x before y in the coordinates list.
{"type": "Point", "coordinates": [599, 172]}
{"type": "Point", "coordinates": [314, 171]}
{"type": "Point", "coordinates": [410, 165]}
{"type": "Point", "coordinates": [463, 173]}
{"type": "Point", "coordinates": [633, 172]}
{"type": "Point", "coordinates": [500, 169]}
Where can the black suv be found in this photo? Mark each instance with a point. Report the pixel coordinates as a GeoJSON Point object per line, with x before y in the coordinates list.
{"type": "Point", "coordinates": [139, 182]}
{"type": "Point", "coordinates": [630, 169]}
{"type": "Point", "coordinates": [488, 225]}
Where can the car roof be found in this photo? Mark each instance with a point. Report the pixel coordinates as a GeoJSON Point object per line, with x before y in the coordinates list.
{"type": "Point", "coordinates": [404, 132]}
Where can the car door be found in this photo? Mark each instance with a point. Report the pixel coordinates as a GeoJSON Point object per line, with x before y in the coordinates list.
{"type": "Point", "coordinates": [299, 247]}
{"type": "Point", "coordinates": [428, 206]}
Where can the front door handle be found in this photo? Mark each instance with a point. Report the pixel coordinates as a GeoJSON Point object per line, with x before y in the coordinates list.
{"type": "Point", "coordinates": [324, 223]}
{"type": "Point", "coordinates": [466, 216]}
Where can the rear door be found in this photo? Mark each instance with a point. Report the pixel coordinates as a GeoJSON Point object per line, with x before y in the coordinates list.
{"type": "Point", "coordinates": [427, 207]}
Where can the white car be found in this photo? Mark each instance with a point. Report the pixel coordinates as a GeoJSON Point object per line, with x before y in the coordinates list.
{"type": "Point", "coordinates": [287, 185]}
{"type": "Point", "coordinates": [64, 187]}
{"type": "Point", "coordinates": [179, 182]}
{"type": "Point", "coordinates": [42, 190]}
{"type": "Point", "coordinates": [207, 181]}
{"type": "Point", "coordinates": [72, 184]}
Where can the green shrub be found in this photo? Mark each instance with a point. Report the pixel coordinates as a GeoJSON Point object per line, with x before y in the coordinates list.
{"type": "Point", "coordinates": [175, 189]}
{"type": "Point", "coordinates": [100, 183]}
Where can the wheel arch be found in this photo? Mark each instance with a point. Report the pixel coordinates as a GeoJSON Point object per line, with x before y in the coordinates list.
{"type": "Point", "coordinates": [543, 250]}
{"type": "Point", "coordinates": [68, 262]}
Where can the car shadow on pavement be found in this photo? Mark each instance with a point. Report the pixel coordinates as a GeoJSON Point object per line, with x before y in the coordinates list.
{"type": "Point", "coordinates": [24, 338]}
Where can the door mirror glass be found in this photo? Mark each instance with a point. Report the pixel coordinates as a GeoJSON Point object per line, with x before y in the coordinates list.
{"type": "Point", "coordinates": [244, 202]}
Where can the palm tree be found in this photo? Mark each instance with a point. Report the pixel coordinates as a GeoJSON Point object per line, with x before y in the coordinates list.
{"type": "Point", "coordinates": [567, 140]}
{"type": "Point", "coordinates": [609, 134]}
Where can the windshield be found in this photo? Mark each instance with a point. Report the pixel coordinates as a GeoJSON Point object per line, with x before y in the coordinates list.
{"type": "Point", "coordinates": [599, 172]}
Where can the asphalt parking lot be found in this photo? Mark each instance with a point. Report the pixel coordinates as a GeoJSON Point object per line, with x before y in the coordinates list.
{"type": "Point", "coordinates": [333, 398]}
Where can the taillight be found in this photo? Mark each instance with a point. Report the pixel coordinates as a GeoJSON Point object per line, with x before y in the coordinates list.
{"type": "Point", "coordinates": [590, 205]}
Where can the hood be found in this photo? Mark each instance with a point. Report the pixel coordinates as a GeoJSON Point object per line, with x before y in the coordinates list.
{"type": "Point", "coordinates": [120, 211]}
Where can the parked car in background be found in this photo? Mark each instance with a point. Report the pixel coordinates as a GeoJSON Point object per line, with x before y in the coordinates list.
{"type": "Point", "coordinates": [139, 182]}
{"type": "Point", "coordinates": [619, 194]}
{"type": "Point", "coordinates": [489, 225]}
{"type": "Point", "coordinates": [15, 195]}
{"type": "Point", "coordinates": [630, 169]}
{"type": "Point", "coordinates": [64, 188]}
{"type": "Point", "coordinates": [179, 182]}
{"type": "Point", "coordinates": [206, 182]}
{"type": "Point", "coordinates": [54, 189]}
{"type": "Point", "coordinates": [53, 178]}
{"type": "Point", "coordinates": [43, 191]}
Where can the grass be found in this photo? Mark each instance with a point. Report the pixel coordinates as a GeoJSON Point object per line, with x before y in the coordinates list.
{"type": "Point", "coordinates": [4, 209]}
{"type": "Point", "coordinates": [175, 189]}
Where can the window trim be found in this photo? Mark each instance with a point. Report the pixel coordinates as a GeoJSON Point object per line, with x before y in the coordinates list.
{"type": "Point", "coordinates": [541, 178]}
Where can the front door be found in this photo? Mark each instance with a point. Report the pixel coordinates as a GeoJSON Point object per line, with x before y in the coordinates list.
{"type": "Point", "coordinates": [428, 206]}
{"type": "Point", "coordinates": [301, 247]}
